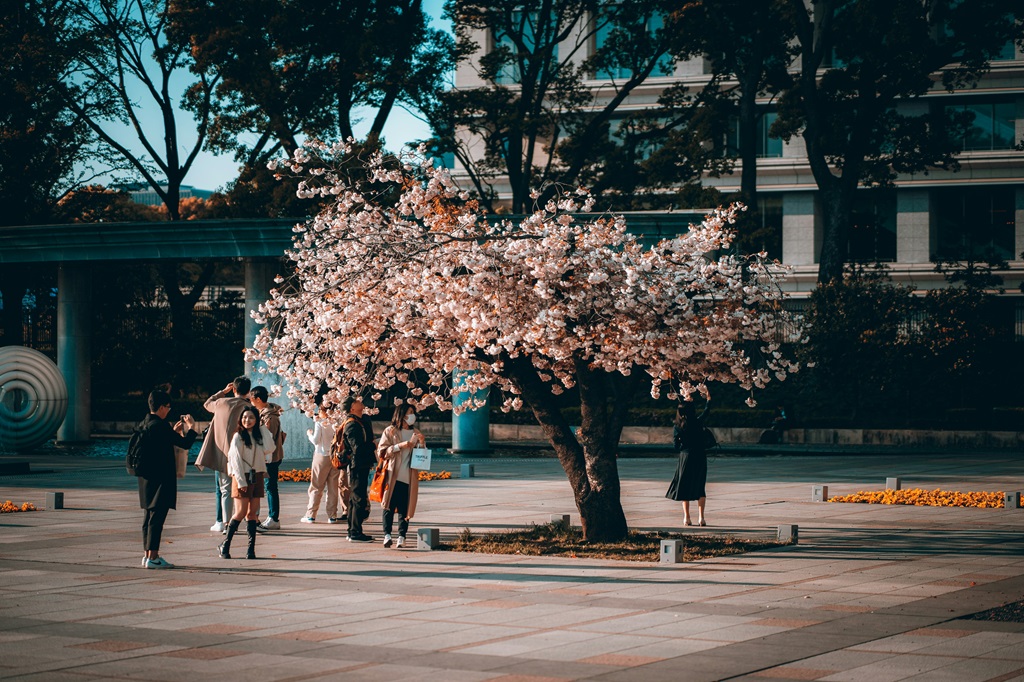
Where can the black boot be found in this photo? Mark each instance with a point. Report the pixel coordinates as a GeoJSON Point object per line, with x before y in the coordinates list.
{"type": "Point", "coordinates": [225, 547]}
{"type": "Point", "coordinates": [250, 529]}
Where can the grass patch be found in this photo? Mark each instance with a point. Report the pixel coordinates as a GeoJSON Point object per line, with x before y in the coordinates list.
{"type": "Point", "coordinates": [555, 539]}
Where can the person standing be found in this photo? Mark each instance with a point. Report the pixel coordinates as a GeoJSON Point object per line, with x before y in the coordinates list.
{"type": "Point", "coordinates": [158, 480]}
{"type": "Point", "coordinates": [247, 468]}
{"type": "Point", "coordinates": [323, 475]}
{"type": "Point", "coordinates": [226, 407]}
{"type": "Point", "coordinates": [690, 480]}
{"type": "Point", "coordinates": [358, 440]}
{"type": "Point", "coordinates": [270, 417]}
{"type": "Point", "coordinates": [402, 482]}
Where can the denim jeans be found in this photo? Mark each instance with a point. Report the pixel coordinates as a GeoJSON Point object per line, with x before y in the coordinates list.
{"type": "Point", "coordinates": [273, 496]}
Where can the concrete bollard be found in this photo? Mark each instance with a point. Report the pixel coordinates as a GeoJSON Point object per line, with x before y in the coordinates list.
{"type": "Point", "coordinates": [1011, 500]}
{"type": "Point", "coordinates": [819, 493]}
{"type": "Point", "coordinates": [427, 538]}
{"type": "Point", "coordinates": [560, 519]}
{"type": "Point", "coordinates": [893, 484]}
{"type": "Point", "coordinates": [789, 533]}
{"type": "Point", "coordinates": [467, 471]}
{"type": "Point", "coordinates": [671, 551]}
{"type": "Point", "coordinates": [54, 501]}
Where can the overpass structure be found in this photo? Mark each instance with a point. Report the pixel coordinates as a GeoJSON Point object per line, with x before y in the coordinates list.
{"type": "Point", "coordinates": [79, 249]}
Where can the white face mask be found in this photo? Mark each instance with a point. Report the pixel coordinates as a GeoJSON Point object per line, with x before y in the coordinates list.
{"type": "Point", "coordinates": [410, 419]}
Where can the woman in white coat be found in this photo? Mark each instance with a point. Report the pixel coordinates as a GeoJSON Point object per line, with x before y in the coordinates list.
{"type": "Point", "coordinates": [250, 449]}
{"type": "Point", "coordinates": [402, 482]}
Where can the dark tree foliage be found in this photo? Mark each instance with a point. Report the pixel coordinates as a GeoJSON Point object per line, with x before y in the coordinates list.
{"type": "Point", "coordinates": [858, 60]}
{"type": "Point", "coordinates": [748, 46]}
{"type": "Point", "coordinates": [541, 111]}
{"type": "Point", "coordinates": [307, 68]}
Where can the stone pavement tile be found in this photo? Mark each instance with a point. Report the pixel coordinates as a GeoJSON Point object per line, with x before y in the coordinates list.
{"type": "Point", "coordinates": [605, 645]}
{"type": "Point", "coordinates": [695, 627]}
{"type": "Point", "coordinates": [527, 645]}
{"type": "Point", "coordinates": [896, 667]}
{"type": "Point", "coordinates": [842, 659]}
{"type": "Point", "coordinates": [1014, 652]}
{"type": "Point", "coordinates": [628, 622]}
{"type": "Point", "coordinates": [976, 644]}
{"type": "Point", "coordinates": [548, 671]}
{"type": "Point", "coordinates": [973, 670]}
{"type": "Point", "coordinates": [53, 676]}
{"type": "Point", "coordinates": [403, 634]}
{"type": "Point", "coordinates": [665, 647]}
{"type": "Point", "coordinates": [114, 645]}
{"type": "Point", "coordinates": [788, 672]}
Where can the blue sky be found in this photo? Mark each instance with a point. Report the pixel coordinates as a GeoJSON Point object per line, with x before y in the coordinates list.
{"type": "Point", "coordinates": [212, 172]}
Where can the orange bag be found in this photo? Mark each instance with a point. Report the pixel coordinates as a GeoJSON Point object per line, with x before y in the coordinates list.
{"type": "Point", "coordinates": [376, 492]}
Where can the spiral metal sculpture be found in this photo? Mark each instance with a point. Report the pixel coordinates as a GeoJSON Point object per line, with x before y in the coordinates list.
{"type": "Point", "coordinates": [33, 398]}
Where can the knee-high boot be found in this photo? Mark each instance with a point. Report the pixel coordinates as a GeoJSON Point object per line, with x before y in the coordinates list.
{"type": "Point", "coordinates": [250, 529]}
{"type": "Point", "coordinates": [225, 547]}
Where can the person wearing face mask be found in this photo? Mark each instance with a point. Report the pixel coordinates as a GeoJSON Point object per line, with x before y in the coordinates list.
{"type": "Point", "coordinates": [401, 483]}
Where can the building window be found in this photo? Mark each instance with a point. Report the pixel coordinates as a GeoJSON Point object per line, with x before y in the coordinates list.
{"type": "Point", "coordinates": [975, 223]}
{"type": "Point", "coordinates": [604, 33]}
{"type": "Point", "coordinates": [532, 37]}
{"type": "Point", "coordinates": [770, 234]}
{"type": "Point", "coordinates": [990, 125]}
{"type": "Point", "coordinates": [767, 147]}
{"type": "Point", "coordinates": [872, 237]}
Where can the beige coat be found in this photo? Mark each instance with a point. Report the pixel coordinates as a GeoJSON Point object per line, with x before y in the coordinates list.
{"type": "Point", "coordinates": [226, 409]}
{"type": "Point", "coordinates": [270, 416]}
{"type": "Point", "coordinates": [388, 451]}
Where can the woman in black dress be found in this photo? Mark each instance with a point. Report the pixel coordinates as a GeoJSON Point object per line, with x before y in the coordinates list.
{"type": "Point", "coordinates": [692, 471]}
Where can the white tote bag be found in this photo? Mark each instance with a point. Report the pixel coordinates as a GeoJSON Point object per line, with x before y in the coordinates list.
{"type": "Point", "coordinates": [420, 459]}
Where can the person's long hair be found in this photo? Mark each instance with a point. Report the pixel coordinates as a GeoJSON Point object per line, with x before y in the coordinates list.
{"type": "Point", "coordinates": [686, 415]}
{"type": "Point", "coordinates": [257, 432]}
{"type": "Point", "coordinates": [399, 416]}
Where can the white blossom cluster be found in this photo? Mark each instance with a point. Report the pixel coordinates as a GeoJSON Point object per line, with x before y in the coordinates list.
{"type": "Point", "coordinates": [402, 280]}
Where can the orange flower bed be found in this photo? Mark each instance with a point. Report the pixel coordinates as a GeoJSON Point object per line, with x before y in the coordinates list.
{"type": "Point", "coordinates": [926, 498]}
{"type": "Point", "coordinates": [9, 507]}
{"type": "Point", "coordinates": [303, 475]}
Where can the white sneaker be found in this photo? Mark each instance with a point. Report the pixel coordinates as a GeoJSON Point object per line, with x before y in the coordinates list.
{"type": "Point", "coordinates": [217, 527]}
{"type": "Point", "coordinates": [271, 524]}
{"type": "Point", "coordinates": [387, 540]}
{"type": "Point", "coordinates": [307, 519]}
{"type": "Point", "coordinates": [401, 542]}
{"type": "Point", "coordinates": [145, 560]}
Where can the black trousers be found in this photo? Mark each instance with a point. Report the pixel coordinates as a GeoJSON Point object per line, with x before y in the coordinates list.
{"type": "Point", "coordinates": [359, 504]}
{"type": "Point", "coordinates": [399, 503]}
{"type": "Point", "coordinates": [153, 528]}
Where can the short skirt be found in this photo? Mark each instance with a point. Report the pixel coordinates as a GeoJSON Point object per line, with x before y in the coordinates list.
{"type": "Point", "coordinates": [253, 491]}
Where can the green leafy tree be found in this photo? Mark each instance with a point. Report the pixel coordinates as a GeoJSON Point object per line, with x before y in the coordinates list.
{"type": "Point", "coordinates": [858, 60]}
{"type": "Point", "coordinates": [313, 70]}
{"type": "Point", "coordinates": [749, 48]}
{"type": "Point", "coordinates": [536, 117]}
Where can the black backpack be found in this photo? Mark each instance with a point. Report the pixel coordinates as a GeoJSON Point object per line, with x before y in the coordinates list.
{"type": "Point", "coordinates": [133, 459]}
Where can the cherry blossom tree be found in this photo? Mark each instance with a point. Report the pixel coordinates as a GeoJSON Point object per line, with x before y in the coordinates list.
{"type": "Point", "coordinates": [402, 280]}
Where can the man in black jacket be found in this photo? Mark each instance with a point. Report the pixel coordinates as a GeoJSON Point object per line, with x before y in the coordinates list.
{"type": "Point", "coordinates": [158, 479]}
{"type": "Point", "coordinates": [358, 435]}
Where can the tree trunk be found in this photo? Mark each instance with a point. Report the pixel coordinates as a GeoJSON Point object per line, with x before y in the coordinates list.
{"type": "Point", "coordinates": [836, 204]}
{"type": "Point", "coordinates": [12, 290]}
{"type": "Point", "coordinates": [589, 461]}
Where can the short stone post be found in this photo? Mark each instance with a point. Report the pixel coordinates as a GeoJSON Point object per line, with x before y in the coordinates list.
{"type": "Point", "coordinates": [467, 471]}
{"type": "Point", "coordinates": [819, 493]}
{"type": "Point", "coordinates": [560, 520]}
{"type": "Point", "coordinates": [427, 538]}
{"type": "Point", "coordinates": [893, 484]}
{"type": "Point", "coordinates": [54, 501]}
{"type": "Point", "coordinates": [789, 532]}
{"type": "Point", "coordinates": [1011, 500]}
{"type": "Point", "coordinates": [671, 551]}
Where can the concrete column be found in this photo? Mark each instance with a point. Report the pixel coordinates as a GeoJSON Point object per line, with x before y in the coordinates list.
{"type": "Point", "coordinates": [913, 226]}
{"type": "Point", "coordinates": [259, 280]}
{"type": "Point", "coordinates": [801, 229]}
{"type": "Point", "coordinates": [471, 429]}
{"type": "Point", "coordinates": [74, 348]}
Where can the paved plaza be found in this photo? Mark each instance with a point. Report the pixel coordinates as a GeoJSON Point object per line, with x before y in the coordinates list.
{"type": "Point", "coordinates": [871, 592]}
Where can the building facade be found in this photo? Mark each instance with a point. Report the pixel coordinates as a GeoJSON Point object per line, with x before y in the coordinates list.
{"type": "Point", "coordinates": [925, 218]}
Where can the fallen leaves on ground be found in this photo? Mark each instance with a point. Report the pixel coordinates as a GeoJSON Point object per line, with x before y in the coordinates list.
{"type": "Point", "coordinates": [926, 498]}
{"type": "Point", "coordinates": [304, 475]}
{"type": "Point", "coordinates": [9, 507]}
{"type": "Point", "coordinates": [555, 539]}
